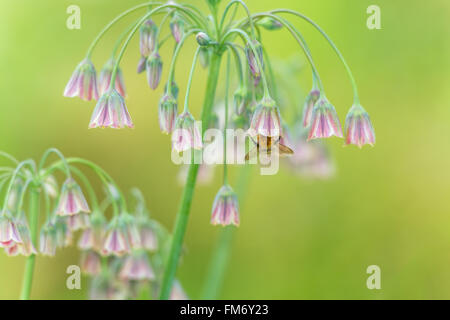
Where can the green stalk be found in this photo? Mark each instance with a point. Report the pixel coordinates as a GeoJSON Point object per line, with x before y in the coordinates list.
{"type": "Point", "coordinates": [29, 266]}
{"type": "Point", "coordinates": [186, 200]}
{"type": "Point", "coordinates": [219, 261]}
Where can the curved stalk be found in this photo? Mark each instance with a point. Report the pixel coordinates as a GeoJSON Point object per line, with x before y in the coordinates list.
{"type": "Point", "coordinates": [191, 75]}
{"type": "Point", "coordinates": [186, 200]}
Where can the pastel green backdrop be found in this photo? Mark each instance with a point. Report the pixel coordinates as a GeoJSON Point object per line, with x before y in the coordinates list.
{"type": "Point", "coordinates": [298, 239]}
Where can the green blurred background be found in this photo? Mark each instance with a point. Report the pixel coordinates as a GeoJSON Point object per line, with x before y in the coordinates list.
{"type": "Point", "coordinates": [298, 239]}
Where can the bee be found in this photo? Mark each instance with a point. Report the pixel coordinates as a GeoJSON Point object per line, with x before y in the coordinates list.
{"type": "Point", "coordinates": [266, 145]}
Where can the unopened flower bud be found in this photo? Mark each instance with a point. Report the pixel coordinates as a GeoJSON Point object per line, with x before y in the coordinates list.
{"type": "Point", "coordinates": [177, 27]}
{"type": "Point", "coordinates": [148, 33]}
{"type": "Point", "coordinates": [269, 23]}
{"type": "Point", "coordinates": [154, 70]}
{"type": "Point", "coordinates": [254, 61]}
{"type": "Point", "coordinates": [203, 39]}
{"type": "Point", "coordinates": [167, 113]}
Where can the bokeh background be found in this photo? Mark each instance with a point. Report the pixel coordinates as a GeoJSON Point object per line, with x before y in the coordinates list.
{"type": "Point", "coordinates": [299, 239]}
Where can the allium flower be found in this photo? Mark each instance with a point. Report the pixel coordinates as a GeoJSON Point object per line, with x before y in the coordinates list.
{"type": "Point", "coordinates": [186, 134]}
{"type": "Point", "coordinates": [253, 60]}
{"type": "Point", "coordinates": [91, 262]}
{"type": "Point", "coordinates": [26, 248]}
{"type": "Point", "coordinates": [78, 221]}
{"type": "Point", "coordinates": [204, 57]}
{"type": "Point", "coordinates": [137, 267]}
{"type": "Point", "coordinates": [266, 120]}
{"type": "Point", "coordinates": [83, 82]}
{"type": "Point", "coordinates": [47, 240]}
{"type": "Point", "coordinates": [167, 113]}
{"type": "Point", "coordinates": [324, 121]}
{"type": "Point", "coordinates": [122, 236]}
{"type": "Point", "coordinates": [93, 237]}
{"type": "Point", "coordinates": [71, 200]}
{"type": "Point", "coordinates": [358, 127]}
{"type": "Point", "coordinates": [269, 23]}
{"type": "Point", "coordinates": [9, 233]}
{"type": "Point", "coordinates": [64, 236]}
{"type": "Point", "coordinates": [111, 111]}
{"type": "Point", "coordinates": [177, 27]}
{"type": "Point", "coordinates": [154, 70]}
{"type": "Point", "coordinates": [310, 101]}
{"type": "Point", "coordinates": [148, 33]}
{"type": "Point", "coordinates": [116, 242]}
{"type": "Point", "coordinates": [142, 65]}
{"type": "Point", "coordinates": [203, 39]}
{"type": "Point", "coordinates": [225, 210]}
{"type": "Point", "coordinates": [105, 78]}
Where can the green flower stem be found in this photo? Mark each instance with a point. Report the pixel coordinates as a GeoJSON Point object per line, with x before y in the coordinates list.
{"type": "Point", "coordinates": [29, 266]}
{"type": "Point", "coordinates": [341, 57]}
{"type": "Point", "coordinates": [161, 25]}
{"type": "Point", "coordinates": [221, 253]}
{"type": "Point", "coordinates": [8, 156]}
{"type": "Point", "coordinates": [240, 70]}
{"type": "Point", "coordinates": [186, 200]}
{"type": "Point", "coordinates": [60, 155]}
{"type": "Point", "coordinates": [191, 75]}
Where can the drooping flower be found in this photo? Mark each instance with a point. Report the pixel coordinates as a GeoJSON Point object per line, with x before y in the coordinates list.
{"type": "Point", "coordinates": [111, 112]}
{"type": "Point", "coordinates": [78, 222]}
{"type": "Point", "coordinates": [91, 262]}
{"type": "Point", "coordinates": [204, 57]}
{"type": "Point", "coordinates": [148, 33]}
{"type": "Point", "coordinates": [254, 59]}
{"type": "Point", "coordinates": [269, 23]}
{"type": "Point", "coordinates": [177, 27]}
{"type": "Point", "coordinates": [9, 234]}
{"type": "Point", "coordinates": [72, 200]}
{"type": "Point", "coordinates": [50, 186]}
{"type": "Point", "coordinates": [115, 242]}
{"type": "Point", "coordinates": [26, 247]}
{"type": "Point", "coordinates": [167, 113]}
{"type": "Point", "coordinates": [324, 121]}
{"type": "Point", "coordinates": [105, 78]}
{"type": "Point", "coordinates": [358, 127]}
{"type": "Point", "coordinates": [131, 231]}
{"type": "Point", "coordinates": [83, 82]}
{"type": "Point", "coordinates": [186, 134]}
{"type": "Point", "coordinates": [154, 70]}
{"type": "Point", "coordinates": [225, 210]}
{"type": "Point", "coordinates": [149, 241]}
{"type": "Point", "coordinates": [47, 240]}
{"type": "Point", "coordinates": [266, 120]}
{"type": "Point", "coordinates": [93, 237]}
{"type": "Point", "coordinates": [137, 267]}
{"type": "Point", "coordinates": [310, 101]}
{"type": "Point", "coordinates": [64, 236]}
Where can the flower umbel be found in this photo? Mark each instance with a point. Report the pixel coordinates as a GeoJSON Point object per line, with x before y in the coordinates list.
{"type": "Point", "coordinates": [225, 210]}
{"type": "Point", "coordinates": [72, 200]}
{"type": "Point", "coordinates": [324, 121]}
{"type": "Point", "coordinates": [83, 82]}
{"type": "Point", "coordinates": [111, 111]}
{"type": "Point", "coordinates": [186, 134]}
{"type": "Point", "coordinates": [266, 120]}
{"type": "Point", "coordinates": [358, 127]}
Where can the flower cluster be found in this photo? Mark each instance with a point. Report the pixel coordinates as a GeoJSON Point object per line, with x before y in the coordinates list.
{"type": "Point", "coordinates": [130, 243]}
